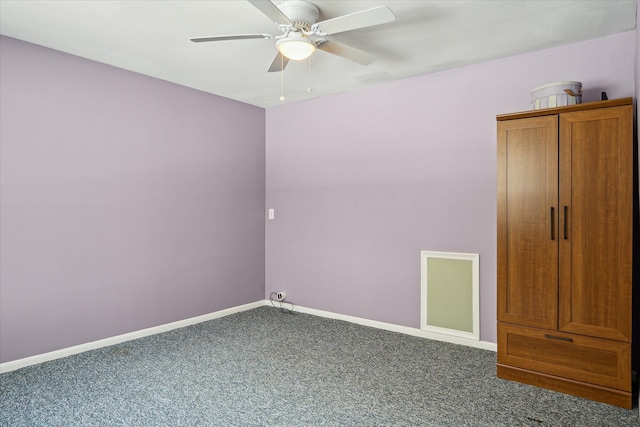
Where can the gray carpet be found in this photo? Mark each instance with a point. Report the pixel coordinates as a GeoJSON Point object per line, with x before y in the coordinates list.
{"type": "Point", "coordinates": [267, 368]}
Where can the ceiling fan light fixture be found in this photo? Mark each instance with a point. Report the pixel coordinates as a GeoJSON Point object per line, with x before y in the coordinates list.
{"type": "Point", "coordinates": [296, 46]}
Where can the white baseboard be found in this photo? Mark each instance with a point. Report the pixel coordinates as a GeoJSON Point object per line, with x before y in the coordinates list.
{"type": "Point", "coordinates": [485, 345]}
{"type": "Point", "coordinates": [57, 354]}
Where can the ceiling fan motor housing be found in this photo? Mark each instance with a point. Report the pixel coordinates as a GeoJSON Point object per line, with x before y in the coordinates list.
{"type": "Point", "coordinates": [302, 13]}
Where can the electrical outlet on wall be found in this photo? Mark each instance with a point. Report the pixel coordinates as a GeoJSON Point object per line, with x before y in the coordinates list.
{"type": "Point", "coordinates": [280, 296]}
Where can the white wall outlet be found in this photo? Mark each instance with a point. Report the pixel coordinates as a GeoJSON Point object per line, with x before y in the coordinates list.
{"type": "Point", "coordinates": [272, 213]}
{"type": "Point", "coordinates": [280, 296]}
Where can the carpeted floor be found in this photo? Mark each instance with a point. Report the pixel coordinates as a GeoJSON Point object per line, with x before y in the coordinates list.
{"type": "Point", "coordinates": [267, 368]}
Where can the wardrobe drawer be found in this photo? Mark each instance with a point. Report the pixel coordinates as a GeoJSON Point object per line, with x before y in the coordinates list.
{"type": "Point", "coordinates": [591, 360]}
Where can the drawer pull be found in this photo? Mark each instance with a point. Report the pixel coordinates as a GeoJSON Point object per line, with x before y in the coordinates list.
{"type": "Point", "coordinates": [554, 337]}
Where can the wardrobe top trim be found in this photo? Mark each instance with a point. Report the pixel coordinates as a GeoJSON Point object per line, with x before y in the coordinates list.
{"type": "Point", "coordinates": [567, 109]}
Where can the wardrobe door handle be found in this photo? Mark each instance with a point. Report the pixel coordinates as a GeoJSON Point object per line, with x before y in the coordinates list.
{"type": "Point", "coordinates": [551, 222]}
{"type": "Point", "coordinates": [564, 223]}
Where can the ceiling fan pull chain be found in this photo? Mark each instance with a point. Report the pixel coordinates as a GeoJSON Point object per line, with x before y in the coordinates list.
{"type": "Point", "coordinates": [282, 78]}
{"type": "Point", "coordinates": [310, 88]}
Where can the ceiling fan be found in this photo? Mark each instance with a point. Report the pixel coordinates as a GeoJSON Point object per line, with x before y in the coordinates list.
{"type": "Point", "coordinates": [301, 34]}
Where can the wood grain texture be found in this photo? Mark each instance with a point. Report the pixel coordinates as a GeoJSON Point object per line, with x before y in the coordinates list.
{"type": "Point", "coordinates": [596, 155]}
{"type": "Point", "coordinates": [527, 221]}
{"type": "Point", "coordinates": [597, 361]}
{"type": "Point", "coordinates": [565, 278]}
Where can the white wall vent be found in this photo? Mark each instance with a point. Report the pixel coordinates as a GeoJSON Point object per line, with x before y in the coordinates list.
{"type": "Point", "coordinates": [450, 302]}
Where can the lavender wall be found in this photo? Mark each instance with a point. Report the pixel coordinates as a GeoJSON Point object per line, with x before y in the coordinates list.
{"type": "Point", "coordinates": [363, 181]}
{"type": "Point", "coordinates": [126, 202]}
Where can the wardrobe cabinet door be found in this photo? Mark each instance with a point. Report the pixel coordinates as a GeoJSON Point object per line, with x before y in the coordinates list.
{"type": "Point", "coordinates": [596, 194]}
{"type": "Point", "coordinates": [527, 221]}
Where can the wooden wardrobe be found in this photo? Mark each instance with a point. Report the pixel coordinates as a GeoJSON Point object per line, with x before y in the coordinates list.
{"type": "Point", "coordinates": [565, 222]}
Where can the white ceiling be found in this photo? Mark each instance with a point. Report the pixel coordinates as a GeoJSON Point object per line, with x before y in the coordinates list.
{"type": "Point", "coordinates": [152, 38]}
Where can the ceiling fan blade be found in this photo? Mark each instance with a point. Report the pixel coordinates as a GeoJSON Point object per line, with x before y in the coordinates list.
{"type": "Point", "coordinates": [279, 63]}
{"type": "Point", "coordinates": [272, 11]}
{"type": "Point", "coordinates": [235, 37]}
{"type": "Point", "coordinates": [353, 21]}
{"type": "Point", "coordinates": [345, 51]}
